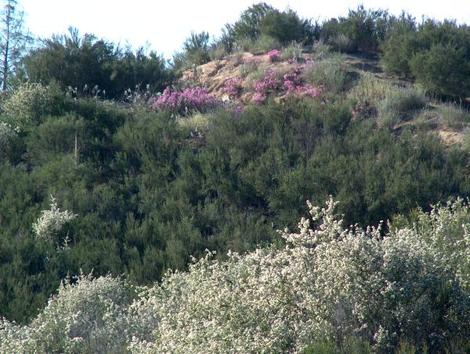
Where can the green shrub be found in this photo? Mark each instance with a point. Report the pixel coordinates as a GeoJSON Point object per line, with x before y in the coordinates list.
{"type": "Point", "coordinates": [329, 74]}
{"type": "Point", "coordinates": [196, 51]}
{"type": "Point", "coordinates": [399, 46]}
{"type": "Point", "coordinates": [249, 23]}
{"type": "Point", "coordinates": [292, 52]}
{"type": "Point", "coordinates": [436, 54]}
{"type": "Point", "coordinates": [321, 50]}
{"type": "Point", "coordinates": [453, 116]}
{"type": "Point", "coordinates": [342, 43]}
{"type": "Point", "coordinates": [400, 104]}
{"type": "Point", "coordinates": [91, 66]}
{"type": "Point", "coordinates": [349, 345]}
{"type": "Point", "coordinates": [444, 69]}
{"type": "Point", "coordinates": [285, 27]}
{"type": "Point", "coordinates": [262, 20]}
{"type": "Point", "coordinates": [197, 122]}
{"type": "Point", "coordinates": [362, 30]}
{"type": "Point", "coordinates": [370, 90]}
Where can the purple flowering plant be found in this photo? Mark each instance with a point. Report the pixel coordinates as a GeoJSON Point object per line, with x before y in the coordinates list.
{"type": "Point", "coordinates": [274, 55]}
{"type": "Point", "coordinates": [290, 84]}
{"type": "Point", "coordinates": [233, 87]}
{"type": "Point", "coordinates": [184, 102]}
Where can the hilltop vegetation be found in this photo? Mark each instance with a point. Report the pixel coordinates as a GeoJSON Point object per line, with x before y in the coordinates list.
{"type": "Point", "coordinates": [117, 167]}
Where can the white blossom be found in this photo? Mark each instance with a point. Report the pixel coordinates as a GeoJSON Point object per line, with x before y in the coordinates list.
{"type": "Point", "coordinates": [51, 221]}
{"type": "Point", "coordinates": [408, 285]}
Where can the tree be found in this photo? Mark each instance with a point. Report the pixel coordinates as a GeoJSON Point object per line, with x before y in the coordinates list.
{"type": "Point", "coordinates": [13, 43]}
{"type": "Point", "coordinates": [94, 66]}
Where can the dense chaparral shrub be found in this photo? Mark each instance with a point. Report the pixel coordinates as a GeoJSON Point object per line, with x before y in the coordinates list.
{"type": "Point", "coordinates": [328, 283]}
{"type": "Point", "coordinates": [436, 54]}
{"type": "Point", "coordinates": [263, 21]}
{"type": "Point", "coordinates": [7, 132]}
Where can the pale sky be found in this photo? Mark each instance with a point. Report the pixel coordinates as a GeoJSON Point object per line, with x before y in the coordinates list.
{"type": "Point", "coordinates": [165, 24]}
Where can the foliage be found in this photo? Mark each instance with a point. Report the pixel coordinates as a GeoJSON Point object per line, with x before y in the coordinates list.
{"type": "Point", "coordinates": [30, 103]}
{"type": "Point", "coordinates": [153, 186]}
{"type": "Point", "coordinates": [14, 43]}
{"type": "Point", "coordinates": [453, 116]}
{"type": "Point", "coordinates": [400, 104]}
{"type": "Point", "coordinates": [329, 284]}
{"type": "Point", "coordinates": [248, 26]}
{"type": "Point", "coordinates": [444, 69]}
{"type": "Point", "coordinates": [86, 316]}
{"type": "Point", "coordinates": [51, 221]}
{"type": "Point", "coordinates": [329, 74]}
{"type": "Point", "coordinates": [92, 66]}
{"type": "Point", "coordinates": [292, 52]}
{"type": "Point", "coordinates": [196, 51]}
{"type": "Point", "coordinates": [362, 30]}
{"type": "Point", "coordinates": [398, 45]}
{"type": "Point", "coordinates": [435, 53]}
{"type": "Point", "coordinates": [262, 23]}
{"type": "Point", "coordinates": [152, 189]}
{"type": "Point", "coordinates": [286, 27]}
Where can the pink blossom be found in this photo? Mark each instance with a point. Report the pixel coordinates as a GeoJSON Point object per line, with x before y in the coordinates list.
{"type": "Point", "coordinates": [274, 55]}
{"type": "Point", "coordinates": [184, 102]}
{"type": "Point", "coordinates": [233, 86]}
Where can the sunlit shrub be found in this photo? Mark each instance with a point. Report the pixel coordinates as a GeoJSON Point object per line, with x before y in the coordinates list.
{"type": "Point", "coordinates": [356, 288]}
{"type": "Point", "coordinates": [329, 74]}
{"type": "Point", "coordinates": [86, 316]}
{"type": "Point", "coordinates": [30, 103]}
{"type": "Point", "coordinates": [184, 102]}
{"type": "Point", "coordinates": [401, 104]}
{"type": "Point", "coordinates": [51, 221]}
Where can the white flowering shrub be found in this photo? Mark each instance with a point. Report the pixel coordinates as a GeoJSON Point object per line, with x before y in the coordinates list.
{"type": "Point", "coordinates": [30, 102]}
{"type": "Point", "coordinates": [406, 286]}
{"type": "Point", "coordinates": [87, 316]}
{"type": "Point", "coordinates": [51, 221]}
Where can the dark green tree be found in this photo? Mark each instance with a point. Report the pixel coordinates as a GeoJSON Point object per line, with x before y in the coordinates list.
{"type": "Point", "coordinates": [94, 66]}
{"type": "Point", "coordinates": [14, 41]}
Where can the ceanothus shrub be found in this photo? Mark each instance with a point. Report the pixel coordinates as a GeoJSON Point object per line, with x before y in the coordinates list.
{"type": "Point", "coordinates": [328, 283]}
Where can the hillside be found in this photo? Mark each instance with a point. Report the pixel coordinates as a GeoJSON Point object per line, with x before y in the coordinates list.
{"type": "Point", "coordinates": [233, 79]}
{"type": "Point", "coordinates": [289, 187]}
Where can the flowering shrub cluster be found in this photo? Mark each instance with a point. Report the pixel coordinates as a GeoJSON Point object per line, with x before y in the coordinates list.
{"type": "Point", "coordinates": [269, 84]}
{"type": "Point", "coordinates": [51, 221]}
{"type": "Point", "coordinates": [233, 87]}
{"type": "Point", "coordinates": [184, 102]}
{"type": "Point", "coordinates": [30, 102]}
{"type": "Point", "coordinates": [293, 85]}
{"type": "Point", "coordinates": [86, 316]}
{"type": "Point", "coordinates": [274, 55]}
{"type": "Point", "coordinates": [290, 84]}
{"type": "Point", "coordinates": [410, 285]}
